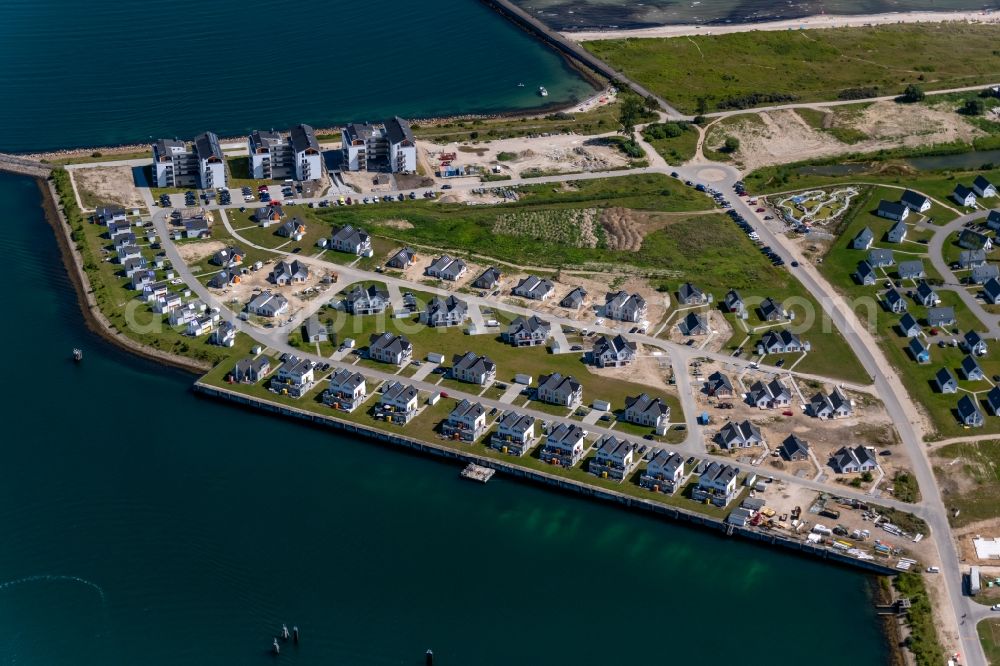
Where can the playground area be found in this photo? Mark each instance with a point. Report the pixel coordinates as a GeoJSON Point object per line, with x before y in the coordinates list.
{"type": "Point", "coordinates": [816, 206]}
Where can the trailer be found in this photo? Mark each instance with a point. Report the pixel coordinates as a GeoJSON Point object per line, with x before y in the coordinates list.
{"type": "Point", "coordinates": [974, 582]}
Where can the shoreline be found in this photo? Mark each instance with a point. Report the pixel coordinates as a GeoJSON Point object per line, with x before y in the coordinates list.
{"type": "Point", "coordinates": [92, 315]}
{"type": "Point", "coordinates": [813, 22]}
{"type": "Point", "coordinates": [50, 156]}
{"type": "Point", "coordinates": [515, 472]}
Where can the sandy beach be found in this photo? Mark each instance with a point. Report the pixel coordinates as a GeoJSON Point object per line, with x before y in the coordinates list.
{"type": "Point", "coordinates": [809, 22]}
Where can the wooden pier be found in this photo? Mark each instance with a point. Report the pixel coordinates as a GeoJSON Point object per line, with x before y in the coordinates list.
{"type": "Point", "coordinates": [478, 473]}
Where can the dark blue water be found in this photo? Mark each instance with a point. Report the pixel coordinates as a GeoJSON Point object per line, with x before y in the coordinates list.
{"type": "Point", "coordinates": [106, 72]}
{"type": "Point", "coordinates": [144, 525]}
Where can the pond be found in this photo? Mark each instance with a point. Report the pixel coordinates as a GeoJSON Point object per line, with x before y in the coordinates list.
{"type": "Point", "coordinates": [969, 160]}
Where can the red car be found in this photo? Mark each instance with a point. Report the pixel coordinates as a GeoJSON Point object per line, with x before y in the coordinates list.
{"type": "Point", "coordinates": [443, 394]}
{"type": "Point", "coordinates": [760, 210]}
{"type": "Point", "coordinates": [786, 413]}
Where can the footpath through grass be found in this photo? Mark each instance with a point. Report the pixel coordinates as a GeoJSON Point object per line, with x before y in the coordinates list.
{"type": "Point", "coordinates": [741, 70]}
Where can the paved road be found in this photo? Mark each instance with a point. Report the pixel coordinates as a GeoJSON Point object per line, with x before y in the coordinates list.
{"type": "Point", "coordinates": [935, 247]}
{"type": "Point", "coordinates": [891, 389]}
{"type": "Point", "coordinates": [839, 102]}
{"type": "Point", "coordinates": [887, 383]}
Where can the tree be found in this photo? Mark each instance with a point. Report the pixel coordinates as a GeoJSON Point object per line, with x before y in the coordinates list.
{"type": "Point", "coordinates": [973, 107]}
{"type": "Point", "coordinates": [630, 114]}
{"type": "Point", "coordinates": [913, 93]}
{"type": "Point", "coordinates": [731, 145]}
{"type": "Point", "coordinates": [651, 104]}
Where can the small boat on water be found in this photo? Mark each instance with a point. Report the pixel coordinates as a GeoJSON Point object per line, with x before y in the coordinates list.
{"type": "Point", "coordinates": [542, 91]}
{"type": "Point", "coordinates": [520, 85]}
{"type": "Point", "coordinates": [77, 354]}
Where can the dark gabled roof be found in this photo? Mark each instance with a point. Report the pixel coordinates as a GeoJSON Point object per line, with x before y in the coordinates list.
{"type": "Point", "coordinates": [688, 290]}
{"type": "Point", "coordinates": [693, 322]}
{"type": "Point", "coordinates": [966, 407]}
{"type": "Point", "coordinates": [557, 380]}
{"type": "Point", "coordinates": [389, 342]}
{"type": "Point", "coordinates": [907, 322]}
{"type": "Point", "coordinates": [917, 347]}
{"type": "Point", "coordinates": [516, 422]}
{"type": "Point", "coordinates": [924, 289]}
{"type": "Point", "coordinates": [891, 208]}
{"type": "Point", "coordinates": [398, 131]}
{"type": "Point", "coordinates": [970, 365]}
{"type": "Point", "coordinates": [981, 182]}
{"type": "Point", "coordinates": [970, 237]}
{"type": "Point", "coordinates": [719, 380]}
{"type": "Point", "coordinates": [993, 398]}
{"type": "Point", "coordinates": [346, 379]}
{"type": "Point", "coordinates": [491, 275]}
{"type": "Point", "coordinates": [962, 191]}
{"type": "Point", "coordinates": [912, 267]}
{"type": "Point", "coordinates": [207, 146]}
{"type": "Point", "coordinates": [892, 297]}
{"type": "Point", "coordinates": [304, 138]}
{"type": "Point", "coordinates": [793, 445]}
{"type": "Point", "coordinates": [972, 338]}
{"type": "Point", "coordinates": [913, 199]}
{"type": "Point", "coordinates": [405, 256]}
{"type": "Point", "coordinates": [992, 287]}
{"type": "Point", "coordinates": [943, 377]}
{"type": "Point", "coordinates": [467, 409]}
{"type": "Point", "coordinates": [473, 362]}
{"type": "Point", "coordinates": [942, 314]}
{"type": "Point", "coordinates": [399, 392]}
{"type": "Point", "coordinates": [881, 256]}
{"type": "Point", "coordinates": [565, 432]}
{"type": "Point", "coordinates": [865, 269]}
{"type": "Point", "coordinates": [864, 237]}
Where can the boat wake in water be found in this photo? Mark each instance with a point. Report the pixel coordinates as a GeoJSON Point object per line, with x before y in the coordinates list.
{"type": "Point", "coordinates": [54, 579]}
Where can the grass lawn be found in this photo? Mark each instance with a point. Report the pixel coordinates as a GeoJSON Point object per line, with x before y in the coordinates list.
{"type": "Point", "coordinates": [715, 138]}
{"type": "Point", "coordinates": [936, 184]}
{"type": "Point", "coordinates": [510, 361]}
{"type": "Point", "coordinates": [989, 636]}
{"type": "Point", "coordinates": [716, 72]}
{"type": "Point", "coordinates": [596, 121]}
{"type": "Point", "coordinates": [838, 266]}
{"type": "Point", "coordinates": [119, 303]}
{"type": "Point", "coordinates": [425, 427]}
{"type": "Point", "coordinates": [675, 142]}
{"type": "Point", "coordinates": [470, 229]}
{"type": "Point", "coordinates": [981, 464]}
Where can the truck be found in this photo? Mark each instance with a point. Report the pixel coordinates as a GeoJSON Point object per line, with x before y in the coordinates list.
{"type": "Point", "coordinates": [974, 583]}
{"type": "Point", "coordinates": [830, 513]}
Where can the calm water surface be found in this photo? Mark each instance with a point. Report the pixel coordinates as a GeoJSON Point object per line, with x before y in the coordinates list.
{"type": "Point", "coordinates": [106, 72]}
{"type": "Point", "coordinates": [144, 525]}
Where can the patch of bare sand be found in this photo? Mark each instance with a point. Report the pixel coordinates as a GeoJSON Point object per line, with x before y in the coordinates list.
{"type": "Point", "coordinates": [911, 124]}
{"type": "Point", "coordinates": [396, 224]}
{"type": "Point", "coordinates": [645, 370]}
{"type": "Point", "coordinates": [197, 251]}
{"type": "Point", "coordinates": [784, 136]}
{"type": "Point", "coordinates": [107, 185]}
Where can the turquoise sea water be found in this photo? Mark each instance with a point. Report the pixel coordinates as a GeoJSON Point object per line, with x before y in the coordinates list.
{"type": "Point", "coordinates": [145, 525]}
{"type": "Point", "coordinates": [105, 72]}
